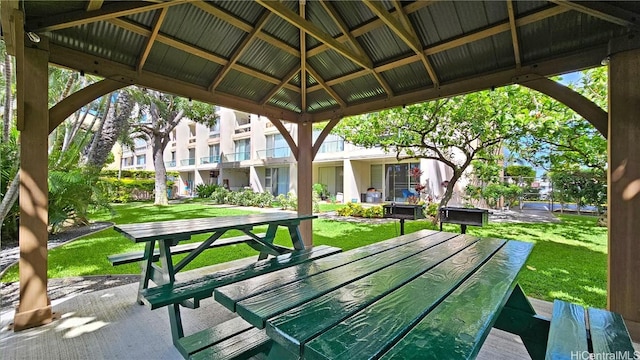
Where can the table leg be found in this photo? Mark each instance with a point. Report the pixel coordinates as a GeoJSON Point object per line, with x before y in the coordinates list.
{"type": "Point", "coordinates": [268, 238]}
{"type": "Point", "coordinates": [518, 317]}
{"type": "Point", "coordinates": [278, 352]}
{"type": "Point", "coordinates": [168, 274]}
{"type": "Point", "coordinates": [146, 266]}
{"type": "Point", "coordinates": [296, 238]}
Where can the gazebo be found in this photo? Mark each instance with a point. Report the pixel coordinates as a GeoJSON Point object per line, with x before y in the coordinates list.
{"type": "Point", "coordinates": [313, 61]}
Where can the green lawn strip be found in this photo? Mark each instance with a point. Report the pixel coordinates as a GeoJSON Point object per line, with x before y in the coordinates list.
{"type": "Point", "coordinates": [568, 261]}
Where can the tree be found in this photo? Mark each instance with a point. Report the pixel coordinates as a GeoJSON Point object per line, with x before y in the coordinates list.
{"type": "Point", "coordinates": [581, 186]}
{"type": "Point", "coordinates": [158, 114]}
{"type": "Point", "coordinates": [454, 131]}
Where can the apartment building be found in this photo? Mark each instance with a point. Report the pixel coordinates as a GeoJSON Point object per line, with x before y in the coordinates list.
{"type": "Point", "coordinates": [247, 151]}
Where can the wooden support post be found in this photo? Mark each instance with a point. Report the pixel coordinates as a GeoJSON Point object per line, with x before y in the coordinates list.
{"type": "Point", "coordinates": [34, 308]}
{"type": "Point", "coordinates": [624, 187]}
{"type": "Point", "coordinates": [305, 165]}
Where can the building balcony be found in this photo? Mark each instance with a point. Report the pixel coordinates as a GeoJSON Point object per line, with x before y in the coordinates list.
{"type": "Point", "coordinates": [275, 153]}
{"type": "Point", "coordinates": [210, 159]}
{"type": "Point", "coordinates": [240, 156]}
{"type": "Point", "coordinates": [187, 162]}
{"type": "Point", "coordinates": [170, 164]}
{"type": "Point", "coordinates": [243, 129]}
{"type": "Point", "coordinates": [332, 146]}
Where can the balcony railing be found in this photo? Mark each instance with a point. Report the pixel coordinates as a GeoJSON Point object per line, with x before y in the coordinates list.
{"type": "Point", "coordinates": [240, 156]}
{"type": "Point", "coordinates": [332, 146]}
{"type": "Point", "coordinates": [214, 134]}
{"type": "Point", "coordinates": [210, 159]}
{"type": "Point", "coordinates": [170, 164]}
{"type": "Point", "coordinates": [243, 129]}
{"type": "Point", "coordinates": [186, 162]}
{"type": "Point", "coordinates": [274, 153]}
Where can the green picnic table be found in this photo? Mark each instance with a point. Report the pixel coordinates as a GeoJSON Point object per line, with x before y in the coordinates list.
{"type": "Point", "coordinates": [426, 295]}
{"type": "Point", "coordinates": [168, 234]}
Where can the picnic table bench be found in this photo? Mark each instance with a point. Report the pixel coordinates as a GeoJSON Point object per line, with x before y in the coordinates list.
{"type": "Point", "coordinates": [427, 295]}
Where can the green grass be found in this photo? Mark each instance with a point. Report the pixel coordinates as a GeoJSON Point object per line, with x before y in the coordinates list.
{"type": "Point", "coordinates": [568, 261]}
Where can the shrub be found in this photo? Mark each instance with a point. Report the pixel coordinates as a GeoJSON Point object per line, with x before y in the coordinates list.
{"type": "Point", "coordinates": [351, 209]}
{"type": "Point", "coordinates": [289, 201]}
{"type": "Point", "coordinates": [432, 209]}
{"type": "Point", "coordinates": [127, 189]}
{"type": "Point", "coordinates": [219, 195]}
{"type": "Point", "coordinates": [373, 212]}
{"type": "Point", "coordinates": [136, 174]}
{"type": "Point", "coordinates": [205, 190]}
{"type": "Point", "coordinates": [263, 199]}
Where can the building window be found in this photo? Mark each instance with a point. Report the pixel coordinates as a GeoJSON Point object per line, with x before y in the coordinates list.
{"type": "Point", "coordinates": [277, 147]}
{"type": "Point", "coordinates": [214, 130]}
{"type": "Point", "coordinates": [398, 183]}
{"type": "Point", "coordinates": [141, 159]}
{"type": "Point", "coordinates": [127, 161]}
{"type": "Point", "coordinates": [140, 144]}
{"type": "Point", "coordinates": [332, 143]}
{"type": "Point", "coordinates": [276, 180]}
{"type": "Point", "coordinates": [192, 130]}
{"type": "Point", "coordinates": [242, 149]}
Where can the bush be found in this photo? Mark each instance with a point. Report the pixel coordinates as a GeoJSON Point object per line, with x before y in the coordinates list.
{"type": "Point", "coordinates": [263, 199]}
{"type": "Point", "coordinates": [219, 195]}
{"type": "Point", "coordinates": [127, 190]}
{"type": "Point", "coordinates": [373, 212]}
{"type": "Point", "coordinates": [205, 190]}
{"type": "Point", "coordinates": [351, 209]}
{"type": "Point", "coordinates": [289, 201]}
{"type": "Point", "coordinates": [135, 174]}
{"type": "Point", "coordinates": [432, 209]}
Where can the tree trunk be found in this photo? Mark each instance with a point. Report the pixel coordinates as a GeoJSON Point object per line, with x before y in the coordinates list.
{"type": "Point", "coordinates": [10, 197]}
{"type": "Point", "coordinates": [8, 101]}
{"type": "Point", "coordinates": [115, 123]}
{"type": "Point", "coordinates": [161, 172]}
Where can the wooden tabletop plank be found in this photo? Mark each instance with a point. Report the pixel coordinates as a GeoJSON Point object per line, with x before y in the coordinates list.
{"type": "Point", "coordinates": [609, 334]}
{"type": "Point", "coordinates": [201, 288]}
{"type": "Point", "coordinates": [232, 294]}
{"type": "Point", "coordinates": [569, 328]}
{"type": "Point", "coordinates": [458, 326]}
{"type": "Point", "coordinates": [296, 326]}
{"type": "Point", "coordinates": [370, 331]}
{"type": "Point", "coordinates": [184, 229]}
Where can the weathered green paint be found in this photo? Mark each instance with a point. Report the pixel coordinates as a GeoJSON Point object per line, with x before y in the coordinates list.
{"type": "Point", "coordinates": [518, 317]}
{"type": "Point", "coordinates": [202, 288]}
{"type": "Point", "coordinates": [568, 332]}
{"type": "Point", "coordinates": [191, 344]}
{"type": "Point", "coordinates": [609, 333]}
{"type": "Point", "coordinates": [351, 265]}
{"type": "Point", "coordinates": [457, 327]}
{"type": "Point", "coordinates": [242, 346]}
{"type": "Point", "coordinates": [294, 328]}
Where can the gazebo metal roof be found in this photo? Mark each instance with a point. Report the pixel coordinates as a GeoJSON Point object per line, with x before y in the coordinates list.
{"type": "Point", "coordinates": [355, 56]}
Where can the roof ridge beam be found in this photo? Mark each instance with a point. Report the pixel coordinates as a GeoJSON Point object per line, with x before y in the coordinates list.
{"type": "Point", "coordinates": [313, 30]}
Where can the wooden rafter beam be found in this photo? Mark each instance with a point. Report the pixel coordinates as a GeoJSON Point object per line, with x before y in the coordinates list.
{"type": "Point", "coordinates": [326, 88]}
{"type": "Point", "coordinates": [240, 50]}
{"type": "Point", "coordinates": [462, 40]}
{"type": "Point", "coordinates": [323, 134]}
{"type": "Point", "coordinates": [156, 25]}
{"type": "Point", "coordinates": [333, 13]}
{"type": "Point", "coordinates": [303, 59]}
{"type": "Point", "coordinates": [94, 5]}
{"type": "Point", "coordinates": [313, 30]}
{"type": "Point", "coordinates": [106, 12]}
{"type": "Point", "coordinates": [113, 70]}
{"type": "Point", "coordinates": [370, 26]}
{"type": "Point", "coordinates": [285, 81]}
{"type": "Point", "coordinates": [514, 32]}
{"type": "Point", "coordinates": [604, 11]}
{"type": "Point", "coordinates": [242, 25]}
{"type": "Point", "coordinates": [408, 37]}
{"type": "Point", "coordinates": [207, 55]}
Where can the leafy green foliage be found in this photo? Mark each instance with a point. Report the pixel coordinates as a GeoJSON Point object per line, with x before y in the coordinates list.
{"type": "Point", "coordinates": [135, 174]}
{"type": "Point", "coordinates": [520, 171]}
{"type": "Point", "coordinates": [206, 190]}
{"type": "Point", "coordinates": [581, 187]}
{"type": "Point", "coordinates": [373, 212]}
{"type": "Point", "coordinates": [8, 169]}
{"type": "Point", "coordinates": [219, 195]}
{"type": "Point", "coordinates": [351, 209]}
{"type": "Point", "coordinates": [127, 190]}
{"type": "Point", "coordinates": [289, 201]}
{"type": "Point", "coordinates": [454, 131]}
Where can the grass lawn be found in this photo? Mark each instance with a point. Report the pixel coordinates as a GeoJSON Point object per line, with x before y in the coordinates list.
{"type": "Point", "coordinates": [568, 261]}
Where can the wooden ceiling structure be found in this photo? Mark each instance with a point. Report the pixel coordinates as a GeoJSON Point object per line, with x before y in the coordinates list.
{"type": "Point", "coordinates": [316, 60]}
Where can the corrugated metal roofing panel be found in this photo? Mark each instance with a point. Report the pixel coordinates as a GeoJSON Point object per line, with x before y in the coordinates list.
{"type": "Point", "coordinates": [193, 25]}
{"type": "Point", "coordinates": [563, 33]}
{"type": "Point", "coordinates": [295, 80]}
{"type": "Point", "coordinates": [249, 11]}
{"type": "Point", "coordinates": [102, 39]}
{"type": "Point", "coordinates": [360, 89]}
{"type": "Point", "coordinates": [143, 18]}
{"type": "Point", "coordinates": [243, 85]}
{"type": "Point", "coordinates": [425, 27]}
{"type": "Point", "coordinates": [282, 30]}
{"type": "Point", "coordinates": [496, 11]}
{"type": "Point", "coordinates": [178, 64]}
{"type": "Point", "coordinates": [268, 59]}
{"type": "Point", "coordinates": [317, 15]}
{"type": "Point", "coordinates": [382, 45]}
{"type": "Point", "coordinates": [409, 77]}
{"type": "Point", "coordinates": [286, 99]}
{"type": "Point", "coordinates": [445, 19]}
{"type": "Point", "coordinates": [43, 9]}
{"type": "Point", "coordinates": [524, 7]}
{"type": "Point", "coordinates": [320, 100]}
{"type": "Point", "coordinates": [357, 12]}
{"type": "Point", "coordinates": [311, 81]}
{"type": "Point", "coordinates": [472, 15]}
{"type": "Point", "coordinates": [453, 63]}
{"type": "Point", "coordinates": [329, 64]}
{"type": "Point", "coordinates": [627, 5]}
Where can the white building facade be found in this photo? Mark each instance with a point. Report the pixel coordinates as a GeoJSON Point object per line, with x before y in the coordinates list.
{"type": "Point", "coordinates": [247, 151]}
